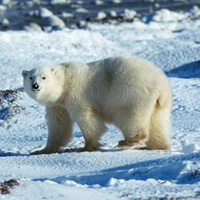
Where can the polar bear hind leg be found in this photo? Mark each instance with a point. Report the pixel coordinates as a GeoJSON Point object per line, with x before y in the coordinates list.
{"type": "Point", "coordinates": [134, 126]}
{"type": "Point", "coordinates": [148, 120]}
{"type": "Point", "coordinates": [160, 124]}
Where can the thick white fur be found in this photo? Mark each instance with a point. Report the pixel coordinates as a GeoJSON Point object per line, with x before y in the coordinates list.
{"type": "Point", "coordinates": [128, 92]}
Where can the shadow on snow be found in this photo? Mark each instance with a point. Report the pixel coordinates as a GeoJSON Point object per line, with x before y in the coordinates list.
{"type": "Point", "coordinates": [189, 70]}
{"type": "Point", "coordinates": [172, 169]}
{"type": "Point", "coordinates": [8, 154]}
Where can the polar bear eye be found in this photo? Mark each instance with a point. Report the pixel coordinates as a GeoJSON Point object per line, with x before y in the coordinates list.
{"type": "Point", "coordinates": [31, 78]}
{"type": "Point", "coordinates": [43, 78]}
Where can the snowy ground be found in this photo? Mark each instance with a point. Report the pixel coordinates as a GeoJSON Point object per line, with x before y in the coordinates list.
{"type": "Point", "coordinates": [171, 41]}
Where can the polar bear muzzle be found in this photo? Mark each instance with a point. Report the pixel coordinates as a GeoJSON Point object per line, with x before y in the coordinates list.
{"type": "Point", "coordinates": [35, 87]}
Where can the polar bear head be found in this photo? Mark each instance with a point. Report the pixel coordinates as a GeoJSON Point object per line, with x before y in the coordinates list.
{"type": "Point", "coordinates": [44, 84]}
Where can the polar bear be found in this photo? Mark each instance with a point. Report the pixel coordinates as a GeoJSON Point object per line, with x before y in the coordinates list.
{"type": "Point", "coordinates": [130, 93]}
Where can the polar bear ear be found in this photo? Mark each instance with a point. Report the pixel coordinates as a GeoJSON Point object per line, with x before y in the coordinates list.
{"type": "Point", "coordinates": [55, 70]}
{"type": "Point", "coordinates": [24, 73]}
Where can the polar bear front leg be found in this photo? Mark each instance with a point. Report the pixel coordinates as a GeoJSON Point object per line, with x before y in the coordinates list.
{"type": "Point", "coordinates": [59, 130]}
{"type": "Point", "coordinates": [92, 127]}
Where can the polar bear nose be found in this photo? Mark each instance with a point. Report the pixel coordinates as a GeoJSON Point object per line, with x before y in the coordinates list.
{"type": "Point", "coordinates": [35, 86]}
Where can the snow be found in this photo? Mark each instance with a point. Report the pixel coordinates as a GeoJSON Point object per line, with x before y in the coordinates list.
{"type": "Point", "coordinates": [129, 14]}
{"type": "Point", "coordinates": [53, 21]}
{"type": "Point", "coordinates": [43, 12]}
{"type": "Point", "coordinates": [110, 173]}
{"type": "Point", "coordinates": [101, 15]}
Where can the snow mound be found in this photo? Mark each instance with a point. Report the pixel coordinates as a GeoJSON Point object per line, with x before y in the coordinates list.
{"type": "Point", "coordinates": [165, 15]}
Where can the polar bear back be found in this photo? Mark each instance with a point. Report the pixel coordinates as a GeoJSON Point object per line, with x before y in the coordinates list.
{"type": "Point", "coordinates": [117, 81]}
